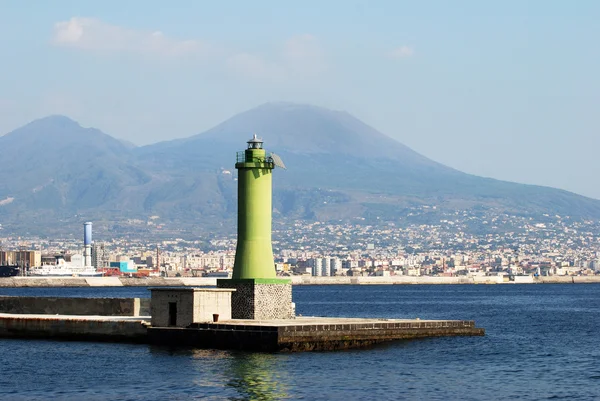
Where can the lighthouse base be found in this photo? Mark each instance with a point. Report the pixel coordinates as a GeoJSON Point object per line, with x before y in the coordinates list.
{"type": "Point", "coordinates": [260, 299]}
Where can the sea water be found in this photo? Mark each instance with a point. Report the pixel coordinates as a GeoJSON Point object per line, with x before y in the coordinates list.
{"type": "Point", "coordinates": [542, 342]}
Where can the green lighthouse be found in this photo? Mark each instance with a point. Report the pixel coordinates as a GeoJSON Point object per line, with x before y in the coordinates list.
{"type": "Point", "coordinates": [254, 252]}
{"type": "Point", "coordinates": [259, 293]}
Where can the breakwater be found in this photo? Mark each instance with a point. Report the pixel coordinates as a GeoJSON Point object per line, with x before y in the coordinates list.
{"type": "Point", "coordinates": [70, 327]}
{"type": "Point", "coordinates": [20, 282]}
{"type": "Point", "coordinates": [300, 280]}
{"type": "Point", "coordinates": [300, 334]}
{"type": "Point", "coordinates": [308, 333]}
{"type": "Point", "coordinates": [75, 306]}
{"type": "Point", "coordinates": [192, 317]}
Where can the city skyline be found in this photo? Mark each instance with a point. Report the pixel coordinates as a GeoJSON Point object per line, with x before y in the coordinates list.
{"type": "Point", "coordinates": [515, 246]}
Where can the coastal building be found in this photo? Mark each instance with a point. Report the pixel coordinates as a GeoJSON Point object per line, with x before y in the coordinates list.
{"type": "Point", "coordinates": [316, 266]}
{"type": "Point", "coordinates": [335, 266]}
{"type": "Point", "coordinates": [325, 267]}
{"type": "Point", "coordinates": [100, 255]}
{"type": "Point", "coordinates": [21, 257]}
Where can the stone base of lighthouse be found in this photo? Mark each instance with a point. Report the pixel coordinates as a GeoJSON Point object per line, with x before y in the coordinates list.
{"type": "Point", "coordinates": [260, 299]}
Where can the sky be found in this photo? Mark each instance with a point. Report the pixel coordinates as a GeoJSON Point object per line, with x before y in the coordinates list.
{"type": "Point", "coordinates": [503, 89]}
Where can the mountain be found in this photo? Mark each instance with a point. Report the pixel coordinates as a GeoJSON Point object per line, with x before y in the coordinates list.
{"type": "Point", "coordinates": [335, 158]}
{"type": "Point", "coordinates": [53, 167]}
{"type": "Point", "coordinates": [303, 131]}
{"type": "Point", "coordinates": [338, 168]}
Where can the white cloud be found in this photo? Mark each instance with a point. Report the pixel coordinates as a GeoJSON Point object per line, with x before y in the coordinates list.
{"type": "Point", "coordinates": [300, 57]}
{"type": "Point", "coordinates": [401, 52]}
{"type": "Point", "coordinates": [95, 35]}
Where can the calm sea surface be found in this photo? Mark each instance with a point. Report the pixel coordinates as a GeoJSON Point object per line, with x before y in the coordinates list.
{"type": "Point", "coordinates": [542, 343]}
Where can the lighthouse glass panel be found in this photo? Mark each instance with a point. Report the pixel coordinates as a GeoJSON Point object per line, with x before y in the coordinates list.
{"type": "Point", "coordinates": [255, 143]}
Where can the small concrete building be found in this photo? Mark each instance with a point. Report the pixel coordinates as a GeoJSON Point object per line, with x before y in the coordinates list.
{"type": "Point", "coordinates": [180, 307]}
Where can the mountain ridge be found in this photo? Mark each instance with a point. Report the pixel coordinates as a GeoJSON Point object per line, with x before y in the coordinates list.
{"type": "Point", "coordinates": [338, 168]}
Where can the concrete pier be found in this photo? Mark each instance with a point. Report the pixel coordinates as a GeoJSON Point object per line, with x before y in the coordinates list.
{"type": "Point", "coordinates": [21, 282]}
{"type": "Point", "coordinates": [307, 333]}
{"type": "Point", "coordinates": [203, 318]}
{"type": "Point", "coordinates": [75, 306]}
{"type": "Point", "coordinates": [72, 327]}
{"type": "Point", "coordinates": [300, 334]}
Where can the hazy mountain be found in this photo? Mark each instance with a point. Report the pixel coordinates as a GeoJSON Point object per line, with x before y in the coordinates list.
{"type": "Point", "coordinates": [338, 168]}
{"type": "Point", "coordinates": [56, 165]}
{"type": "Point", "coordinates": [127, 144]}
{"type": "Point", "coordinates": [287, 128]}
{"type": "Point", "coordinates": [335, 158]}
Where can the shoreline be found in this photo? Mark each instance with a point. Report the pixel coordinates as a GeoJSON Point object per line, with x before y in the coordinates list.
{"type": "Point", "coordinates": [24, 282]}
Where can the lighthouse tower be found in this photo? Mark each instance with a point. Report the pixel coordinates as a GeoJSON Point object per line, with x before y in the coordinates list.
{"type": "Point", "coordinates": [254, 252]}
{"type": "Point", "coordinates": [259, 293]}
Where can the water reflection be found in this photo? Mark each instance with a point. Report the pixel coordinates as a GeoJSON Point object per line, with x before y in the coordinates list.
{"type": "Point", "coordinates": [257, 376]}
{"type": "Point", "coordinates": [226, 374]}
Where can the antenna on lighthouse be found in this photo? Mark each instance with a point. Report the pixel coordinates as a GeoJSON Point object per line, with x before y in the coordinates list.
{"type": "Point", "coordinates": [277, 161]}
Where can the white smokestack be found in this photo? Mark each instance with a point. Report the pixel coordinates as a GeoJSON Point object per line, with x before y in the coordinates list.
{"type": "Point", "coordinates": [87, 244]}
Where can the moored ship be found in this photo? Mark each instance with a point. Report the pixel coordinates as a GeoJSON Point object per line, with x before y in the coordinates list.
{"type": "Point", "coordinates": [9, 270]}
{"type": "Point", "coordinates": [65, 269]}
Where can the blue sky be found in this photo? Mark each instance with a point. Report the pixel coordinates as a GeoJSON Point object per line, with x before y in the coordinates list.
{"type": "Point", "coordinates": [505, 89]}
